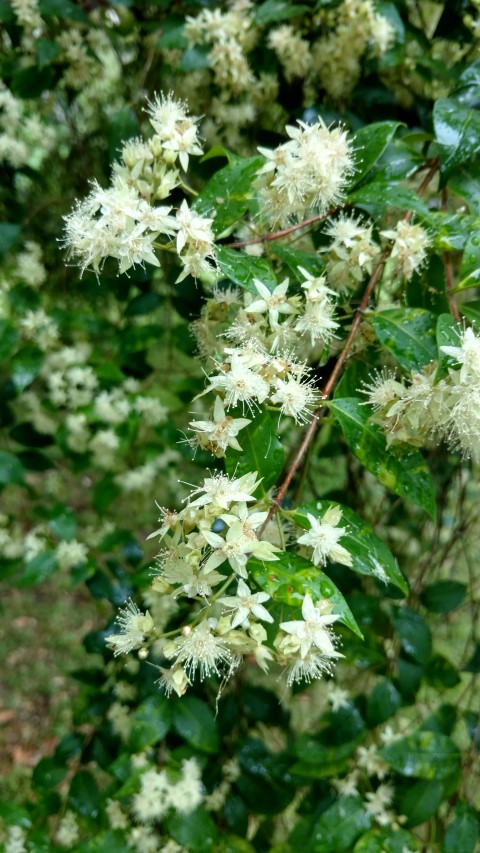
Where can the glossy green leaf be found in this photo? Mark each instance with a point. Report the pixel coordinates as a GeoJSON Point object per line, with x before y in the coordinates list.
{"type": "Point", "coordinates": [195, 831]}
{"type": "Point", "coordinates": [48, 773]}
{"type": "Point", "coordinates": [470, 268]}
{"type": "Point", "coordinates": [383, 702]}
{"type": "Point", "coordinates": [8, 338]}
{"type": "Point", "coordinates": [63, 523]}
{"type": "Point", "coordinates": [337, 828]}
{"type": "Point", "coordinates": [379, 196]}
{"type": "Point", "coordinates": [278, 10]}
{"type": "Point", "coordinates": [11, 470]}
{"type": "Point", "coordinates": [386, 841]}
{"type": "Point", "coordinates": [25, 366]}
{"type": "Point", "coordinates": [369, 143]}
{"type": "Point", "coordinates": [439, 672]}
{"type": "Point", "coordinates": [468, 84]}
{"type": "Point", "coordinates": [421, 800]}
{"type": "Point", "coordinates": [370, 555]}
{"type": "Point", "coordinates": [84, 795]}
{"type": "Point", "coordinates": [428, 288]}
{"type": "Point", "coordinates": [241, 269]}
{"type": "Point", "coordinates": [9, 236]}
{"type": "Point", "coordinates": [414, 633]}
{"type": "Point", "coordinates": [228, 193]}
{"type": "Point", "coordinates": [194, 721]}
{"type": "Point", "coordinates": [447, 336]}
{"type": "Point", "coordinates": [36, 571]}
{"type": "Point", "coordinates": [289, 578]}
{"type": "Point", "coordinates": [465, 182]}
{"type": "Point", "coordinates": [471, 310]}
{"type": "Point", "coordinates": [317, 761]}
{"type": "Point", "coordinates": [400, 468]}
{"type": "Point", "coordinates": [294, 259]}
{"type": "Point", "coordinates": [457, 131]}
{"type": "Point", "coordinates": [409, 334]}
{"type": "Point", "coordinates": [151, 722]}
{"type": "Point", "coordinates": [261, 452]}
{"type": "Point", "coordinates": [145, 303]}
{"type": "Point", "coordinates": [423, 755]}
{"type": "Point", "coordinates": [443, 596]}
{"type": "Point", "coordinates": [463, 833]}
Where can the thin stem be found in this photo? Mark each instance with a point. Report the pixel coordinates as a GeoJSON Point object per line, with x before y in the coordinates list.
{"type": "Point", "coordinates": [276, 235]}
{"type": "Point", "coordinates": [447, 262]}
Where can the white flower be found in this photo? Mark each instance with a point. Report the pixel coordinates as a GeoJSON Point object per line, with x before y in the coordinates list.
{"type": "Point", "coordinates": [240, 383]}
{"type": "Point", "coordinates": [378, 800]}
{"type": "Point", "coordinates": [173, 680]}
{"type": "Point", "coordinates": [199, 648]}
{"type": "Point", "coordinates": [220, 491]}
{"type": "Point", "coordinates": [275, 302]}
{"type": "Point", "coordinates": [237, 547]}
{"type": "Point", "coordinates": [323, 537]}
{"type": "Point", "coordinates": [347, 787]}
{"type": "Point", "coordinates": [313, 630]}
{"type": "Point", "coordinates": [221, 432]}
{"type": "Point", "coordinates": [317, 322]}
{"type": "Point", "coordinates": [369, 759]}
{"type": "Point", "coordinates": [297, 398]}
{"type": "Point", "coordinates": [338, 698]}
{"type": "Point", "coordinates": [70, 554]}
{"type": "Point", "coordinates": [410, 244]}
{"type": "Point", "coordinates": [245, 603]}
{"type": "Point", "coordinates": [312, 666]}
{"type": "Point", "coordinates": [151, 802]}
{"type": "Point", "coordinates": [467, 354]}
{"type": "Point", "coordinates": [68, 832]}
{"type": "Point", "coordinates": [134, 626]}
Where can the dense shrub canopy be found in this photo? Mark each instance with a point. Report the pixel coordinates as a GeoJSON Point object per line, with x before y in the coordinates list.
{"type": "Point", "coordinates": [239, 249]}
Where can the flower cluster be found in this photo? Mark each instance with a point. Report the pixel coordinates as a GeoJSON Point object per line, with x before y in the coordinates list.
{"type": "Point", "coordinates": [123, 221]}
{"type": "Point", "coordinates": [206, 549]}
{"type": "Point", "coordinates": [351, 254]}
{"type": "Point", "coordinates": [309, 172]}
{"type": "Point", "coordinates": [429, 406]}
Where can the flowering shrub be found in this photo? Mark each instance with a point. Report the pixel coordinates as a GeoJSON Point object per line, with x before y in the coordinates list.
{"type": "Point", "coordinates": [238, 252]}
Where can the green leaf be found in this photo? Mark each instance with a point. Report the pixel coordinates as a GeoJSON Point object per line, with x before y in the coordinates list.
{"type": "Point", "coordinates": [447, 335]}
{"type": "Point", "coordinates": [241, 269]}
{"type": "Point", "coordinates": [11, 469]}
{"type": "Point", "coordinates": [289, 578]}
{"type": "Point", "coordinates": [317, 761]}
{"type": "Point", "coordinates": [42, 566]}
{"type": "Point", "coordinates": [462, 835]}
{"type": "Point", "coordinates": [443, 596]}
{"type": "Point", "coordinates": [470, 267]}
{"type": "Point", "coordinates": [25, 434]}
{"type": "Point", "coordinates": [383, 702]}
{"type": "Point", "coordinates": [337, 828]}
{"type": "Point", "coordinates": [228, 193]}
{"type": "Point", "coordinates": [423, 755]}
{"type": "Point", "coordinates": [409, 334]}
{"type": "Point", "coordinates": [414, 634]}
{"type": "Point", "coordinates": [151, 722]}
{"type": "Point", "coordinates": [47, 51]}
{"type": "Point", "coordinates": [194, 831]}
{"type": "Point", "coordinates": [9, 236]}
{"type": "Point", "coordinates": [8, 338]}
{"type": "Point", "coordinates": [471, 310]}
{"type": "Point", "coordinates": [369, 143]}
{"type": "Point", "coordinates": [367, 550]}
{"type": "Point", "coordinates": [295, 259]}
{"type": "Point", "coordinates": [25, 366]}
{"type": "Point", "coordinates": [457, 131]}
{"type": "Point", "coordinates": [48, 773]}
{"type": "Point", "coordinates": [386, 841]}
{"type": "Point", "coordinates": [145, 303]}
{"type": "Point", "coordinates": [62, 9]}
{"type": "Point", "coordinates": [379, 196]}
{"type": "Point", "coordinates": [194, 721]}
{"type": "Point", "coordinates": [63, 523]}
{"type": "Point", "coordinates": [84, 795]}
{"type": "Point", "coordinates": [439, 672]}
{"type": "Point", "coordinates": [104, 493]}
{"type": "Point", "coordinates": [420, 801]}
{"type": "Point", "coordinates": [261, 452]}
{"type": "Point", "coordinates": [401, 469]}
{"type": "Point", "coordinates": [465, 182]}
{"type": "Point", "coordinates": [278, 10]}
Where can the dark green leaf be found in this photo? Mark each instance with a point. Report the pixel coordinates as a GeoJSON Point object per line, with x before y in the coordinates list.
{"type": "Point", "coordinates": [463, 833]}
{"type": "Point", "coordinates": [439, 672]}
{"type": "Point", "coordinates": [443, 596]}
{"type": "Point", "coordinates": [84, 796]}
{"type": "Point", "coordinates": [401, 469]}
{"type": "Point", "coordinates": [8, 338]}
{"type": "Point", "coordinates": [447, 335]}
{"type": "Point", "coordinates": [471, 310]}
{"type": "Point", "coordinates": [62, 9]}
{"type": "Point", "coordinates": [39, 569]}
{"type": "Point", "coordinates": [423, 755]}
{"type": "Point", "coordinates": [414, 634]}
{"type": "Point", "coordinates": [465, 182]}
{"type": "Point", "coordinates": [278, 10]}
{"type": "Point", "coordinates": [11, 470]}
{"type": "Point", "coordinates": [151, 722]}
{"type": "Point", "coordinates": [25, 366]}
{"type": "Point", "coordinates": [369, 143]}
{"type": "Point", "coordinates": [367, 550]}
{"type": "Point", "coordinates": [409, 334]}
{"type": "Point", "coordinates": [25, 433]}
{"type": "Point", "coordinates": [457, 130]}
{"type": "Point", "coordinates": [337, 828]}
{"type": "Point", "coordinates": [470, 268]}
{"type": "Point", "coordinates": [64, 524]}
{"type": "Point", "coordinates": [295, 259]}
{"type": "Point", "coordinates": [104, 493]}
{"type": "Point", "coordinates": [289, 578]}
{"type": "Point", "coordinates": [143, 304]}
{"type": "Point", "coordinates": [420, 801]}
{"type": "Point", "coordinates": [194, 721]}
{"type": "Point", "coordinates": [379, 196]}
{"type": "Point", "coordinates": [383, 702]}
{"type": "Point", "coordinates": [241, 269]}
{"type": "Point", "coordinates": [195, 58]}
{"type": "Point", "coordinates": [316, 761]}
{"type": "Point", "coordinates": [48, 773]}
{"type": "Point", "coordinates": [228, 193]}
{"type": "Point", "coordinates": [195, 831]}
{"type": "Point", "coordinates": [386, 841]}
{"type": "Point", "coordinates": [473, 664]}
{"type": "Point", "coordinates": [9, 236]}
{"type": "Point", "coordinates": [47, 51]}
{"type": "Point", "coordinates": [261, 452]}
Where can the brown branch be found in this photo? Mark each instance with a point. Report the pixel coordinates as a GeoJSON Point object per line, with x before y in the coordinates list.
{"type": "Point", "coordinates": [337, 370]}
{"type": "Point", "coordinates": [276, 235]}
{"type": "Point", "coordinates": [327, 391]}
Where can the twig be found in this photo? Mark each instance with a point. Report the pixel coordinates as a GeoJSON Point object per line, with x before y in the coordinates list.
{"type": "Point", "coordinates": [276, 235]}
